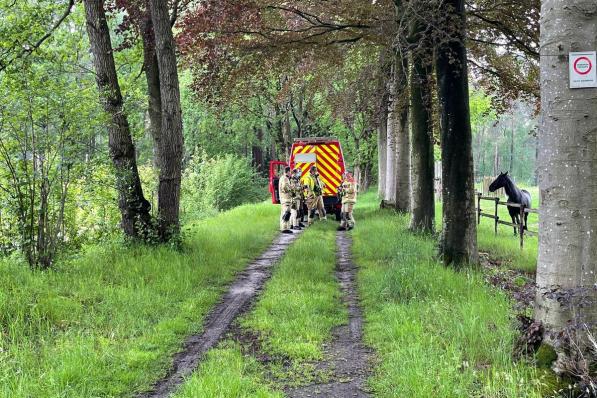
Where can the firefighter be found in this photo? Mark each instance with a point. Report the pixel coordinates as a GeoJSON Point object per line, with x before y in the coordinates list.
{"type": "Point", "coordinates": [297, 193]}
{"type": "Point", "coordinates": [314, 195]}
{"type": "Point", "coordinates": [285, 191]}
{"type": "Point", "coordinates": [348, 192]}
{"type": "Point", "coordinates": [298, 173]}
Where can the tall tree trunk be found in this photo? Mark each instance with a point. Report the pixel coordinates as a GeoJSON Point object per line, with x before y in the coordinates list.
{"type": "Point", "coordinates": [287, 132]}
{"type": "Point", "coordinates": [512, 147]}
{"type": "Point", "coordinates": [422, 204]}
{"type": "Point", "coordinates": [134, 208]}
{"type": "Point", "coordinates": [171, 140]}
{"type": "Point", "coordinates": [402, 137]}
{"type": "Point", "coordinates": [257, 159]}
{"type": "Point", "coordinates": [458, 244]}
{"type": "Point", "coordinates": [382, 129]}
{"type": "Point", "coordinates": [496, 160]}
{"type": "Point", "coordinates": [567, 169]}
{"type": "Point", "coordinates": [392, 124]}
{"type": "Point", "coordinates": [382, 145]}
{"type": "Point", "coordinates": [152, 76]}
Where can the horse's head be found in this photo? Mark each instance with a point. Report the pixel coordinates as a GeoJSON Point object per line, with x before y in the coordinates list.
{"type": "Point", "coordinates": [499, 182]}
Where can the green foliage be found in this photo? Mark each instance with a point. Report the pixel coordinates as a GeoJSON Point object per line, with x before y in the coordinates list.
{"type": "Point", "coordinates": [56, 183]}
{"type": "Point", "coordinates": [437, 332]}
{"type": "Point", "coordinates": [220, 183]}
{"type": "Point", "coordinates": [106, 322]}
{"type": "Point", "coordinates": [511, 135]}
{"type": "Point", "coordinates": [47, 120]}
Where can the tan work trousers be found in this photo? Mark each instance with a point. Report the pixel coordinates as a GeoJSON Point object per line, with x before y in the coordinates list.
{"type": "Point", "coordinates": [284, 208]}
{"type": "Point", "coordinates": [316, 203]}
{"type": "Point", "coordinates": [347, 218]}
{"type": "Point", "coordinates": [294, 220]}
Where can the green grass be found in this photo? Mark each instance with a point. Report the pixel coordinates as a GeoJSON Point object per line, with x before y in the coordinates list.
{"type": "Point", "coordinates": [437, 332]}
{"type": "Point", "coordinates": [301, 303]}
{"type": "Point", "coordinates": [227, 373]}
{"type": "Point", "coordinates": [294, 317]}
{"type": "Point", "coordinates": [107, 322]}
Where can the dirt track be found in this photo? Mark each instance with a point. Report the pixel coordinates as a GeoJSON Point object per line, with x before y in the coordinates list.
{"type": "Point", "coordinates": [239, 296]}
{"type": "Point", "coordinates": [347, 359]}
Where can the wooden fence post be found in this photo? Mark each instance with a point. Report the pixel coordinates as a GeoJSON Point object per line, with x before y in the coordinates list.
{"type": "Point", "coordinates": [479, 194]}
{"type": "Point", "coordinates": [521, 227]}
{"type": "Point", "coordinates": [497, 218]}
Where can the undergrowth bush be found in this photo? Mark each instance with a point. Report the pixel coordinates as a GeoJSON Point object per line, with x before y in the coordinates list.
{"type": "Point", "coordinates": [221, 183]}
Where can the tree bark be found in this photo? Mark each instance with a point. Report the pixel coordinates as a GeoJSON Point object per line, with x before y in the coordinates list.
{"type": "Point", "coordinates": [496, 160]}
{"type": "Point", "coordinates": [382, 145]}
{"type": "Point", "coordinates": [402, 183]}
{"type": "Point", "coordinates": [171, 140]}
{"type": "Point", "coordinates": [422, 204]}
{"type": "Point", "coordinates": [567, 169]}
{"type": "Point", "coordinates": [392, 126]}
{"type": "Point", "coordinates": [152, 76]}
{"type": "Point", "coordinates": [257, 158]}
{"type": "Point", "coordinates": [511, 169]}
{"type": "Point", "coordinates": [134, 208]}
{"type": "Point", "coordinates": [382, 129]}
{"type": "Point", "coordinates": [458, 244]}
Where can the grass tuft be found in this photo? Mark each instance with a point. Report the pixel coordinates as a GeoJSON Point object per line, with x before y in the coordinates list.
{"type": "Point", "coordinates": [228, 373]}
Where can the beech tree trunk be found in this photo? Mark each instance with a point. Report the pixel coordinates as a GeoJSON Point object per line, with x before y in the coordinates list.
{"type": "Point", "coordinates": [511, 168]}
{"type": "Point", "coordinates": [567, 172]}
{"type": "Point", "coordinates": [496, 160]}
{"type": "Point", "coordinates": [458, 243]}
{"type": "Point", "coordinates": [382, 145]}
{"type": "Point", "coordinates": [402, 183]}
{"type": "Point", "coordinates": [390, 191]}
{"type": "Point", "coordinates": [134, 208]}
{"type": "Point", "coordinates": [171, 140]}
{"type": "Point", "coordinates": [422, 204]}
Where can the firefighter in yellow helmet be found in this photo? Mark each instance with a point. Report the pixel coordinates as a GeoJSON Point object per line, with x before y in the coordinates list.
{"type": "Point", "coordinates": [285, 191]}
{"type": "Point", "coordinates": [314, 195]}
{"type": "Point", "coordinates": [348, 191]}
{"type": "Point", "coordinates": [297, 194]}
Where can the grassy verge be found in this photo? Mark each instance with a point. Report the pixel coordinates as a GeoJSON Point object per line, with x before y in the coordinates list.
{"type": "Point", "coordinates": [107, 322]}
{"type": "Point", "coordinates": [437, 332]}
{"type": "Point", "coordinates": [293, 318]}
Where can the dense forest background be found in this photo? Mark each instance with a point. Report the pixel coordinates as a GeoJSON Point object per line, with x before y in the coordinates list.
{"type": "Point", "coordinates": [56, 180]}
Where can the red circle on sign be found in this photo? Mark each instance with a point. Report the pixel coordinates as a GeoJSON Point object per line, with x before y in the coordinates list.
{"type": "Point", "coordinates": [581, 72]}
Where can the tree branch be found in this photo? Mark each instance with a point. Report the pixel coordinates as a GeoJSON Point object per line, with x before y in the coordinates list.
{"type": "Point", "coordinates": [27, 51]}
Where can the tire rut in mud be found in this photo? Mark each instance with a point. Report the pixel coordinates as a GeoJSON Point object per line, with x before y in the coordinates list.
{"type": "Point", "coordinates": [239, 296]}
{"type": "Point", "coordinates": [347, 358]}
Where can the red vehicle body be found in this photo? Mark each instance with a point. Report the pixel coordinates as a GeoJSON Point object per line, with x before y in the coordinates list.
{"type": "Point", "coordinates": [326, 154]}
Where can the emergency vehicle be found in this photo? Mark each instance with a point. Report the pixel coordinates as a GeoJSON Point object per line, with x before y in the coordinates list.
{"type": "Point", "coordinates": [323, 152]}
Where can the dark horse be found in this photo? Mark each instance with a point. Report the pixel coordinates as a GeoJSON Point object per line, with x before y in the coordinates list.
{"type": "Point", "coordinates": [515, 195]}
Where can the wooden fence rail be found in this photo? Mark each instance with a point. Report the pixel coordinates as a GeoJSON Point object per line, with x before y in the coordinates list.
{"type": "Point", "coordinates": [497, 202]}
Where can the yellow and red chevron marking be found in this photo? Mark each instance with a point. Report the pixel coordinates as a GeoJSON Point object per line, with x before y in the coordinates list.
{"type": "Point", "coordinates": [327, 165]}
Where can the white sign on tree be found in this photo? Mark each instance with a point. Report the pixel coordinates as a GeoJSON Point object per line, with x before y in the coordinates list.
{"type": "Point", "coordinates": [583, 69]}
